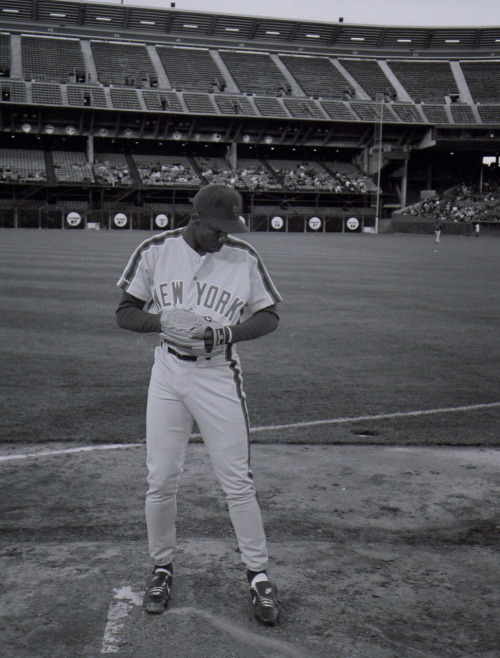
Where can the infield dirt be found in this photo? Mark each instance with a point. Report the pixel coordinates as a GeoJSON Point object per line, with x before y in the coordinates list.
{"type": "Point", "coordinates": [378, 552]}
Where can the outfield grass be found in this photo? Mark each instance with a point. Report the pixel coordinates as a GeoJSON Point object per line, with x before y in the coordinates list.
{"type": "Point", "coordinates": [370, 325]}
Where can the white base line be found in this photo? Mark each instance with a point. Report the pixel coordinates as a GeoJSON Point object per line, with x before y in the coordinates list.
{"type": "Point", "coordinates": [124, 600]}
{"type": "Point", "coordinates": [268, 428]}
{"type": "Point", "coordinates": [357, 419]}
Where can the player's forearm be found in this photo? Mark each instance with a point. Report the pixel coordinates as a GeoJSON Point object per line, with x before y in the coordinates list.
{"type": "Point", "coordinates": [260, 324]}
{"type": "Point", "coordinates": [137, 320]}
{"type": "Point", "coordinates": [129, 315]}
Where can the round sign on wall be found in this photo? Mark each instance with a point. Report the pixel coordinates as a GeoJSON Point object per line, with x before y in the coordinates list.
{"type": "Point", "coordinates": [352, 223]}
{"type": "Point", "coordinates": [120, 219]}
{"type": "Point", "coordinates": [73, 218]}
{"type": "Point", "coordinates": [277, 223]}
{"type": "Point", "coordinates": [161, 220]}
{"type": "Point", "coordinates": [315, 223]}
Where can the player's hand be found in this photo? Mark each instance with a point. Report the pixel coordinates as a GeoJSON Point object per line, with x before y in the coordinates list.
{"type": "Point", "coordinates": [214, 338]}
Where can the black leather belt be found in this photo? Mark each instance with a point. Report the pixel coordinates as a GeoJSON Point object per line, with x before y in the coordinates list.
{"type": "Point", "coordinates": [184, 357]}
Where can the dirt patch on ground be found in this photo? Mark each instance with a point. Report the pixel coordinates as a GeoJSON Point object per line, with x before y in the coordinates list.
{"type": "Point", "coordinates": [377, 553]}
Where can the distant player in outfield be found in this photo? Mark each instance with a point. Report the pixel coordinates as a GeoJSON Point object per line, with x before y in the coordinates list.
{"type": "Point", "coordinates": [222, 279]}
{"type": "Point", "coordinates": [438, 227]}
{"type": "Point", "coordinates": [477, 228]}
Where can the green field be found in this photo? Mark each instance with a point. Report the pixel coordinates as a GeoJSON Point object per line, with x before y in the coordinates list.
{"type": "Point", "coordinates": [370, 326]}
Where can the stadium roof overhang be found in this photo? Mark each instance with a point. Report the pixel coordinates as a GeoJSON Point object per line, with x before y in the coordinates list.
{"type": "Point", "coordinates": [155, 25]}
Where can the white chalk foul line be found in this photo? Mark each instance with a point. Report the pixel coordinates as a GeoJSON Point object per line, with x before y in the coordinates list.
{"type": "Point", "coordinates": [124, 600]}
{"type": "Point", "coordinates": [269, 428]}
{"type": "Point", "coordinates": [357, 419]}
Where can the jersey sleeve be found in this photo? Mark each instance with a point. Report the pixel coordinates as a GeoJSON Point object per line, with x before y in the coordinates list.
{"type": "Point", "coordinates": [263, 292]}
{"type": "Point", "coordinates": [137, 275]}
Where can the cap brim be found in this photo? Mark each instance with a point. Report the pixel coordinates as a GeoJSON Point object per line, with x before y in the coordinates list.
{"type": "Point", "coordinates": [229, 225]}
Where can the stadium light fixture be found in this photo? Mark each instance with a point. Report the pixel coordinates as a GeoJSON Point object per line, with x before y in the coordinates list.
{"type": "Point", "coordinates": [246, 138]}
{"type": "Point", "coordinates": [216, 137]}
{"type": "Point", "coordinates": [177, 135]}
{"type": "Point", "coordinates": [268, 139]}
{"type": "Point", "coordinates": [26, 128]}
{"type": "Point", "coordinates": [49, 129]}
{"type": "Point", "coordinates": [70, 130]}
{"type": "Point", "coordinates": [102, 132]}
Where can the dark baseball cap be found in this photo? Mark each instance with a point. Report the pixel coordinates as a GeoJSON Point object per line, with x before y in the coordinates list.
{"type": "Point", "coordinates": [221, 205]}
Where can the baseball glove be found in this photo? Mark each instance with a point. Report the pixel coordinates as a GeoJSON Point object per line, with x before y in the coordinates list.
{"type": "Point", "coordinates": [191, 333]}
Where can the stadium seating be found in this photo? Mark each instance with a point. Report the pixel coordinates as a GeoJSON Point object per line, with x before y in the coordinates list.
{"type": "Point", "coordinates": [371, 111]}
{"type": "Point", "coordinates": [126, 99]}
{"type": "Point", "coordinates": [407, 112]}
{"type": "Point", "coordinates": [370, 76]}
{"type": "Point", "coordinates": [12, 91]}
{"type": "Point", "coordinates": [254, 175]}
{"type": "Point", "coordinates": [165, 170]}
{"type": "Point", "coordinates": [317, 76]}
{"type": "Point", "coordinates": [72, 167]}
{"type": "Point", "coordinates": [254, 73]}
{"type": "Point", "coordinates": [5, 55]}
{"type": "Point", "coordinates": [46, 94]}
{"type": "Point", "coordinates": [425, 81]}
{"type": "Point", "coordinates": [55, 60]}
{"type": "Point", "coordinates": [123, 64]}
{"type": "Point", "coordinates": [483, 80]}
{"type": "Point", "coordinates": [22, 165]}
{"type": "Point", "coordinates": [162, 101]}
{"type": "Point", "coordinates": [199, 103]}
{"type": "Point", "coordinates": [435, 113]}
{"type": "Point", "coordinates": [215, 170]}
{"type": "Point", "coordinates": [339, 111]}
{"type": "Point", "coordinates": [465, 203]}
{"type": "Point", "coordinates": [234, 105]}
{"type": "Point", "coordinates": [86, 95]}
{"type": "Point", "coordinates": [270, 107]}
{"type": "Point", "coordinates": [462, 113]}
{"type": "Point", "coordinates": [303, 108]}
{"type": "Point", "coordinates": [302, 176]}
{"type": "Point", "coordinates": [489, 113]}
{"type": "Point", "coordinates": [112, 169]}
{"type": "Point", "coordinates": [190, 69]}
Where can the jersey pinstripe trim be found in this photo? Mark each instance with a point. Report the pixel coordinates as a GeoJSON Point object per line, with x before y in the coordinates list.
{"type": "Point", "coordinates": [156, 241]}
{"type": "Point", "coordinates": [238, 382]}
{"type": "Point", "coordinates": [269, 286]}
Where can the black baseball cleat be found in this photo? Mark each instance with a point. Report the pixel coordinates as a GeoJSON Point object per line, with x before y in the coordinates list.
{"type": "Point", "coordinates": [265, 606]}
{"type": "Point", "coordinates": [157, 593]}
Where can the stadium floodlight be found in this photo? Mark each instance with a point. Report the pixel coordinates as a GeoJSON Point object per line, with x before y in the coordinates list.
{"type": "Point", "coordinates": [177, 135]}
{"type": "Point", "coordinates": [246, 138]}
{"type": "Point", "coordinates": [216, 137]}
{"type": "Point", "coordinates": [26, 128]}
{"type": "Point", "coordinates": [102, 132]}
{"type": "Point", "coordinates": [128, 133]}
{"type": "Point", "coordinates": [268, 139]}
{"type": "Point", "coordinates": [49, 129]}
{"type": "Point", "coordinates": [70, 130]}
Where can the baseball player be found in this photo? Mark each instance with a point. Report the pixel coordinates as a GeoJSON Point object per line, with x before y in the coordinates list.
{"type": "Point", "coordinates": [438, 228]}
{"type": "Point", "coordinates": [222, 280]}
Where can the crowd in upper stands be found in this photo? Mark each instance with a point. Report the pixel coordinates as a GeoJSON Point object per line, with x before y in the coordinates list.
{"type": "Point", "coordinates": [113, 174]}
{"type": "Point", "coordinates": [251, 175]}
{"type": "Point", "coordinates": [301, 176]}
{"type": "Point", "coordinates": [154, 172]}
{"type": "Point", "coordinates": [14, 175]}
{"type": "Point", "coordinates": [466, 203]}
